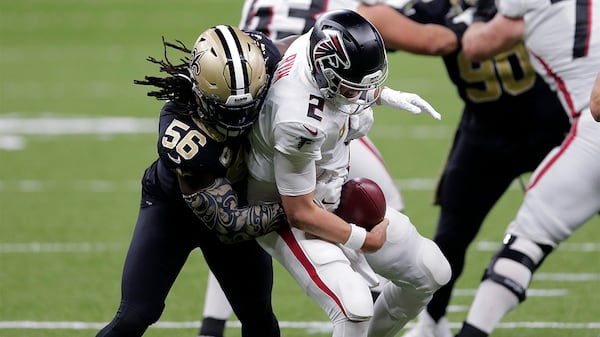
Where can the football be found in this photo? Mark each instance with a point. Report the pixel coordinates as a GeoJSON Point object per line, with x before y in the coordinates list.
{"type": "Point", "coordinates": [362, 203]}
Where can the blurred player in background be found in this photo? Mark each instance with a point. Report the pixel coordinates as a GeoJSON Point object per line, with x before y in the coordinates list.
{"type": "Point", "coordinates": [299, 155]}
{"type": "Point", "coordinates": [563, 39]}
{"type": "Point", "coordinates": [510, 121]}
{"type": "Point", "coordinates": [187, 197]}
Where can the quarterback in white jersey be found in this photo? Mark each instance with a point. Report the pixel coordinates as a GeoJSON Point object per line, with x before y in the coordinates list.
{"type": "Point", "coordinates": [563, 39]}
{"type": "Point", "coordinates": [278, 19]}
{"type": "Point", "coordinates": [299, 155]}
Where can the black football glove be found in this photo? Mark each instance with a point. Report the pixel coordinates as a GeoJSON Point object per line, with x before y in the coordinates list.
{"type": "Point", "coordinates": [484, 10]}
{"type": "Point", "coordinates": [459, 23]}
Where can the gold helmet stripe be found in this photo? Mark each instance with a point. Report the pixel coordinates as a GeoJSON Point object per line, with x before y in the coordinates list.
{"type": "Point", "coordinates": [235, 56]}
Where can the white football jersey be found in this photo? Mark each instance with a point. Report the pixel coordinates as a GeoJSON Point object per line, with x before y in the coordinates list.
{"type": "Point", "coordinates": [307, 127]}
{"type": "Point", "coordinates": [549, 26]}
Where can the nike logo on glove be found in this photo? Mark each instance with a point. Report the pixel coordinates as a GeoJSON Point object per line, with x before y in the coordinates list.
{"type": "Point", "coordinates": [311, 131]}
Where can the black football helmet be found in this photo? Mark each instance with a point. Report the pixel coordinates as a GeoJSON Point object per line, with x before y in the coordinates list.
{"type": "Point", "coordinates": [347, 55]}
{"type": "Point", "coordinates": [229, 78]}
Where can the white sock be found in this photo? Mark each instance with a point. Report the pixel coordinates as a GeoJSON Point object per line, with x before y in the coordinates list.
{"type": "Point", "coordinates": [491, 303]}
{"type": "Point", "coordinates": [216, 304]}
{"type": "Point", "coordinates": [492, 300]}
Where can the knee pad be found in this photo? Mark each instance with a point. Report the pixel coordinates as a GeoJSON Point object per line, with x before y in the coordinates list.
{"type": "Point", "coordinates": [351, 298]}
{"type": "Point", "coordinates": [513, 265]}
{"type": "Point", "coordinates": [434, 264]}
{"type": "Point", "coordinates": [402, 302]}
{"type": "Point", "coordinates": [356, 298]}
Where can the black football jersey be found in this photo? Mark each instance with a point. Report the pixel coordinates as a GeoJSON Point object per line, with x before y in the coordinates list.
{"type": "Point", "coordinates": [502, 93]}
{"type": "Point", "coordinates": [187, 145]}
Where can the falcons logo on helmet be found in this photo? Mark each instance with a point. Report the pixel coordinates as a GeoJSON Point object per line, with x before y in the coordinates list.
{"type": "Point", "coordinates": [332, 49]}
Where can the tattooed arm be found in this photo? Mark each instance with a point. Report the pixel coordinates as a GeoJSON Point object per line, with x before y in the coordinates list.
{"type": "Point", "coordinates": [217, 206]}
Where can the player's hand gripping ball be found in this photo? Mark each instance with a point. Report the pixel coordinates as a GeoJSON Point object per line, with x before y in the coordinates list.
{"type": "Point", "coordinates": [362, 203]}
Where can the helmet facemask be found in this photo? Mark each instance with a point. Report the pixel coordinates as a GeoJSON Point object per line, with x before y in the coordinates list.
{"type": "Point", "coordinates": [233, 117]}
{"type": "Point", "coordinates": [351, 97]}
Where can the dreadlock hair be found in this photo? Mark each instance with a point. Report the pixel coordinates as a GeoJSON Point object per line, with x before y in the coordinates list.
{"type": "Point", "coordinates": [177, 86]}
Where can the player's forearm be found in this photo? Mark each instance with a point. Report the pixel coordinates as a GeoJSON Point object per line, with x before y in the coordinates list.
{"type": "Point", "coordinates": [482, 41]}
{"type": "Point", "coordinates": [329, 227]}
{"type": "Point", "coordinates": [217, 207]}
{"type": "Point", "coordinates": [401, 33]}
{"type": "Point", "coordinates": [595, 99]}
{"type": "Point", "coordinates": [320, 223]}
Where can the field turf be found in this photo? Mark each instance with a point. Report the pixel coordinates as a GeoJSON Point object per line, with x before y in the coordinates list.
{"type": "Point", "coordinates": [69, 187]}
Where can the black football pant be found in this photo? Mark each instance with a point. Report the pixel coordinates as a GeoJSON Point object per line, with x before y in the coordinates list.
{"type": "Point", "coordinates": [165, 234]}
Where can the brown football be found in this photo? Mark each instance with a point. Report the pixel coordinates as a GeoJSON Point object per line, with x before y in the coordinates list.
{"type": "Point", "coordinates": [362, 203]}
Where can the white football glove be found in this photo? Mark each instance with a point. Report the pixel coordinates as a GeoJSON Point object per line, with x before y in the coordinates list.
{"type": "Point", "coordinates": [406, 101]}
{"type": "Point", "coordinates": [360, 124]}
{"type": "Point", "coordinates": [465, 17]}
{"type": "Point", "coordinates": [327, 194]}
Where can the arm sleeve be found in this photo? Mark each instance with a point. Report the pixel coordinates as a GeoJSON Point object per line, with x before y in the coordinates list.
{"type": "Point", "coordinates": [217, 207]}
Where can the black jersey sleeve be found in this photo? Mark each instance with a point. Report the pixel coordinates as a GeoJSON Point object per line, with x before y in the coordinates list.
{"type": "Point", "coordinates": [433, 11]}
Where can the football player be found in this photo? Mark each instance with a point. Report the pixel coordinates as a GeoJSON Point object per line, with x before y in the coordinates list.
{"type": "Point", "coordinates": [563, 39]}
{"type": "Point", "coordinates": [187, 197]}
{"type": "Point", "coordinates": [510, 120]}
{"type": "Point", "coordinates": [298, 155]}
{"type": "Point", "coordinates": [282, 19]}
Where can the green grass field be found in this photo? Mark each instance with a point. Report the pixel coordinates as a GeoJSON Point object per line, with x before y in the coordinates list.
{"type": "Point", "coordinates": [68, 200]}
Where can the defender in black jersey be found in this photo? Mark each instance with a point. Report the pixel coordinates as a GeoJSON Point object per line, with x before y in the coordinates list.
{"type": "Point", "coordinates": [187, 197]}
{"type": "Point", "coordinates": [510, 121]}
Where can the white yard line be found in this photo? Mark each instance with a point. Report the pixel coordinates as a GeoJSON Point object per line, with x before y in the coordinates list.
{"type": "Point", "coordinates": [50, 247]}
{"type": "Point", "coordinates": [312, 325]}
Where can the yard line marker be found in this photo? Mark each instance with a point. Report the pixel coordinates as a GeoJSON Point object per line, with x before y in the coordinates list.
{"type": "Point", "coordinates": [55, 124]}
{"type": "Point", "coordinates": [57, 247]}
{"type": "Point", "coordinates": [14, 128]}
{"type": "Point", "coordinates": [491, 246]}
{"type": "Point", "coordinates": [28, 247]}
{"type": "Point", "coordinates": [531, 292]}
{"type": "Point", "coordinates": [321, 326]}
{"type": "Point", "coordinates": [63, 125]}
{"type": "Point", "coordinates": [575, 277]}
